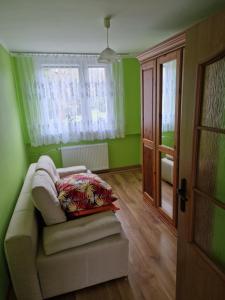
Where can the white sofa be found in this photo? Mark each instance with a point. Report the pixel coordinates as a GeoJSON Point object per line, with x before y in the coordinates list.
{"type": "Point", "coordinates": [45, 261]}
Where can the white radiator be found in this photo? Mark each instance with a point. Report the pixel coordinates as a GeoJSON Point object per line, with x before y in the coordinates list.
{"type": "Point", "coordinates": [94, 157]}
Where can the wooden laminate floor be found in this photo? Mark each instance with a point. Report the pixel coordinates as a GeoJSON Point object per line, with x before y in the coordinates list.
{"type": "Point", "coordinates": [152, 256]}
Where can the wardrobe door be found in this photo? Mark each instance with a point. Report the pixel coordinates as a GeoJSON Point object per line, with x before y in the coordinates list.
{"type": "Point", "coordinates": [148, 129]}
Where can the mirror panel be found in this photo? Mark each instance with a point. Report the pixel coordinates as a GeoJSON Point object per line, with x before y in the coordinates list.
{"type": "Point", "coordinates": [166, 183]}
{"type": "Point", "coordinates": [168, 105]}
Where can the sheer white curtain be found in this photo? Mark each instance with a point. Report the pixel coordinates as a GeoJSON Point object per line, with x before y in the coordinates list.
{"type": "Point", "coordinates": [168, 96]}
{"type": "Point", "coordinates": [70, 98]}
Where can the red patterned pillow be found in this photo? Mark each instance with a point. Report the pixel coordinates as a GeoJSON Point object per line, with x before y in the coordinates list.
{"type": "Point", "coordinates": [84, 193]}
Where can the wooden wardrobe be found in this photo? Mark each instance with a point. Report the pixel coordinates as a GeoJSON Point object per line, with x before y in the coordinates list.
{"type": "Point", "coordinates": [161, 75]}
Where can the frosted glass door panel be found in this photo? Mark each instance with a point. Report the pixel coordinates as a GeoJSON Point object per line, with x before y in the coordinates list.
{"type": "Point", "coordinates": [211, 162]}
{"type": "Point", "coordinates": [213, 109]}
{"type": "Point", "coordinates": [209, 229]}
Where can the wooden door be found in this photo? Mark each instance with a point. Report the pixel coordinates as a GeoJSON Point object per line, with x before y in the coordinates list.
{"type": "Point", "coordinates": [169, 72]}
{"type": "Point", "coordinates": [201, 227]}
{"type": "Point", "coordinates": [148, 129]}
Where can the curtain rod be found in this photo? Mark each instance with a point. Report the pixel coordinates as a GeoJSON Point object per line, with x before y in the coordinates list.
{"type": "Point", "coordinates": [57, 53]}
{"type": "Point", "coordinates": [50, 53]}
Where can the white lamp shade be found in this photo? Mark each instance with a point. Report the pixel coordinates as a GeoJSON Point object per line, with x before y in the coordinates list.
{"type": "Point", "coordinates": [108, 56]}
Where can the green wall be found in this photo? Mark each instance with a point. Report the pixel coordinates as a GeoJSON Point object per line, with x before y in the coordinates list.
{"type": "Point", "coordinates": [122, 152]}
{"type": "Point", "coordinates": [13, 162]}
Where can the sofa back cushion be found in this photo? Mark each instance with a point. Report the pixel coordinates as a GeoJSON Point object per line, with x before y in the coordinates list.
{"type": "Point", "coordinates": [46, 163]}
{"type": "Point", "coordinates": [45, 198]}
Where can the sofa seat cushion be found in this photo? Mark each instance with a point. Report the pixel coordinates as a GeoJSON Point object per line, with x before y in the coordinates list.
{"type": "Point", "coordinates": [80, 231]}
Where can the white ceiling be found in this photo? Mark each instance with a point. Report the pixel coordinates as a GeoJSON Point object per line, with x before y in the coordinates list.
{"type": "Point", "coordinates": [77, 25]}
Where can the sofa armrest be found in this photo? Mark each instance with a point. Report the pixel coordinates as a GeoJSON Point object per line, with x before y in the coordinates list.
{"type": "Point", "coordinates": [71, 170]}
{"type": "Point", "coordinates": [20, 248]}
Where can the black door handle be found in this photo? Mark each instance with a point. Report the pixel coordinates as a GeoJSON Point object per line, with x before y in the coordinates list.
{"type": "Point", "coordinates": [182, 194]}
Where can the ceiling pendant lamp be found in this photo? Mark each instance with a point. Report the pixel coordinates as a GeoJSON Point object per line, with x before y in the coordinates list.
{"type": "Point", "coordinates": [108, 55]}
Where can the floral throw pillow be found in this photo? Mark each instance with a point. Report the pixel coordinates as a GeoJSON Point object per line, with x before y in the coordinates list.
{"type": "Point", "coordinates": [84, 194]}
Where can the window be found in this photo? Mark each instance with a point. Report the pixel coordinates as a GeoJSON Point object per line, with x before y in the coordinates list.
{"type": "Point", "coordinates": [70, 98]}
{"type": "Point", "coordinates": [97, 79]}
{"type": "Point", "coordinates": [54, 76]}
{"type": "Point", "coordinates": [65, 83]}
